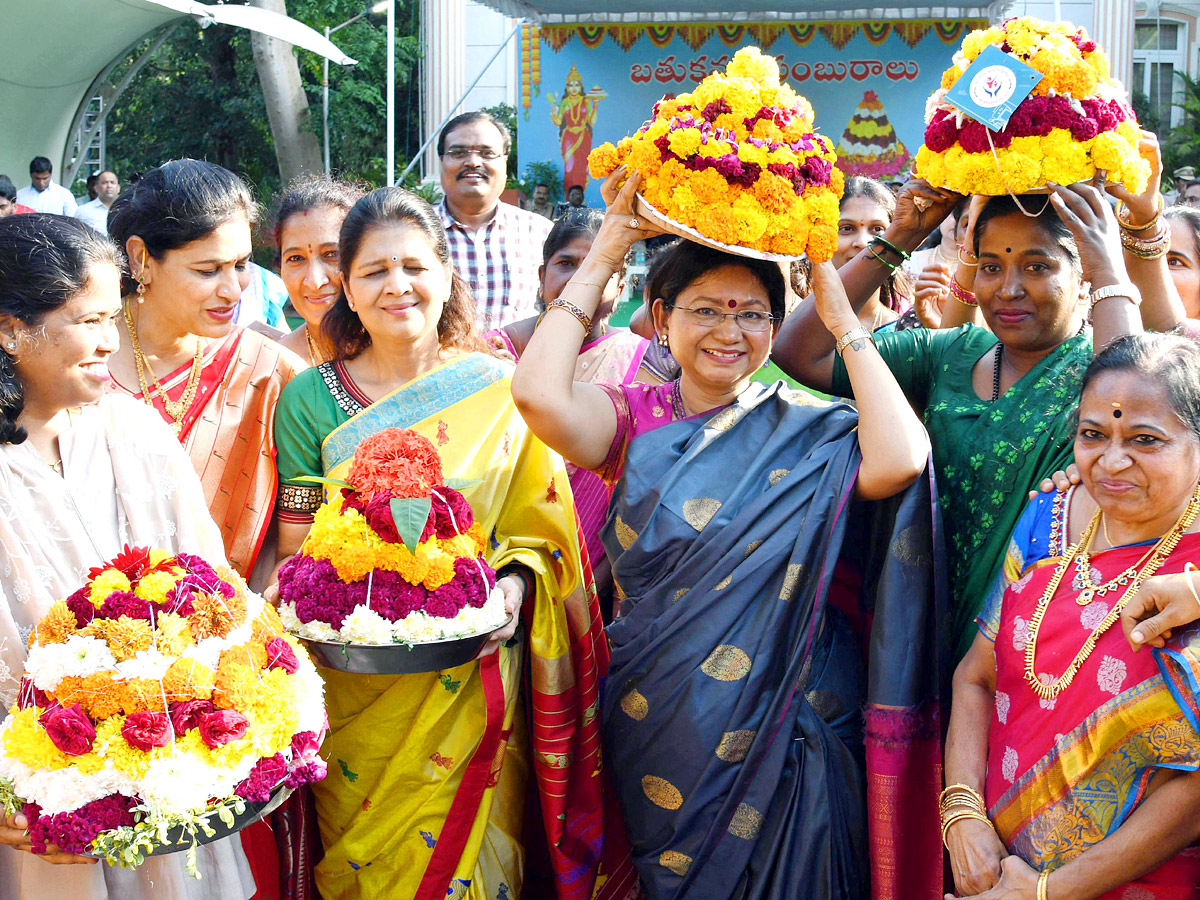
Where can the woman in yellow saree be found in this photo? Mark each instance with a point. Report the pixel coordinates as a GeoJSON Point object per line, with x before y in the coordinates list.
{"type": "Point", "coordinates": [430, 773]}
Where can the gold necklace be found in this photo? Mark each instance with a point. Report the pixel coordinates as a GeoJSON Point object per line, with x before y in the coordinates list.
{"type": "Point", "coordinates": [176, 409]}
{"type": "Point", "coordinates": [314, 355]}
{"type": "Point", "coordinates": [1088, 589]}
{"type": "Point", "coordinates": [1165, 546]}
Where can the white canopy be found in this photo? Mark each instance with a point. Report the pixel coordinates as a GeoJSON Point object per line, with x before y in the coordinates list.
{"type": "Point", "coordinates": [631, 12]}
{"type": "Point", "coordinates": [58, 54]}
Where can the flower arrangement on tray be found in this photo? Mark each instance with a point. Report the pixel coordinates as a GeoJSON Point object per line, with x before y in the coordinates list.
{"type": "Point", "coordinates": [736, 161]}
{"type": "Point", "coordinates": [393, 556]}
{"type": "Point", "coordinates": [1076, 121]}
{"type": "Point", "coordinates": [157, 701]}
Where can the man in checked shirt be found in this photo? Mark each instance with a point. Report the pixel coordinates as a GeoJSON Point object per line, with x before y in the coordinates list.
{"type": "Point", "coordinates": [496, 247]}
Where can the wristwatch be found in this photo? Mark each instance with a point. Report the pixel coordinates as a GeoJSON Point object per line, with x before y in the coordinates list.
{"type": "Point", "coordinates": [854, 334]}
{"type": "Point", "coordinates": [1120, 289]}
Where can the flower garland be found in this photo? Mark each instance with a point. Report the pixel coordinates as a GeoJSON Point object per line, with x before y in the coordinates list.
{"type": "Point", "coordinates": [356, 581]}
{"type": "Point", "coordinates": [158, 693]}
{"type": "Point", "coordinates": [737, 160]}
{"type": "Point", "coordinates": [1077, 119]}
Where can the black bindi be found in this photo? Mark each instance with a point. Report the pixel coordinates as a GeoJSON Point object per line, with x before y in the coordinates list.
{"type": "Point", "coordinates": [1008, 249]}
{"type": "Point", "coordinates": [1116, 414]}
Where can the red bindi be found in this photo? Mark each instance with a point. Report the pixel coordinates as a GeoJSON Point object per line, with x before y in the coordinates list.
{"type": "Point", "coordinates": [733, 304]}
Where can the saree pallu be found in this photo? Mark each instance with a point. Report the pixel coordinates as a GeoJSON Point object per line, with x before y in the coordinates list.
{"type": "Point", "coordinates": [428, 772]}
{"type": "Point", "coordinates": [731, 710]}
{"type": "Point", "coordinates": [1065, 773]}
{"type": "Point", "coordinates": [228, 433]}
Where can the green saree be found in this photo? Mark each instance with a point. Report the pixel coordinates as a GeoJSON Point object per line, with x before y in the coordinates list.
{"type": "Point", "coordinates": [987, 456]}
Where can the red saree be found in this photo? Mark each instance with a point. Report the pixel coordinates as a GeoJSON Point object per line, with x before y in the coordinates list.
{"type": "Point", "coordinates": [1063, 774]}
{"type": "Point", "coordinates": [228, 432]}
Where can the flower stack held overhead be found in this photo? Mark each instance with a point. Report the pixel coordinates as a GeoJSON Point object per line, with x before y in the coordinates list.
{"type": "Point", "coordinates": [736, 161]}
{"type": "Point", "coordinates": [393, 557]}
{"type": "Point", "coordinates": [1076, 121]}
{"type": "Point", "coordinates": [157, 699]}
{"type": "Point", "coordinates": [870, 145]}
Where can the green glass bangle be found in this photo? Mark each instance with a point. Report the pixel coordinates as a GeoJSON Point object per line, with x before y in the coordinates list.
{"type": "Point", "coordinates": [883, 262]}
{"type": "Point", "coordinates": [882, 240]}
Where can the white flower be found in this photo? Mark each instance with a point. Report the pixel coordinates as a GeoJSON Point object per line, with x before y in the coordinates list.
{"type": "Point", "coordinates": [61, 790]}
{"type": "Point", "coordinates": [78, 655]}
{"type": "Point", "coordinates": [1019, 585]}
{"type": "Point", "coordinates": [1046, 678]}
{"type": "Point", "coordinates": [1093, 614]}
{"type": "Point", "coordinates": [179, 783]}
{"type": "Point", "coordinates": [150, 664]}
{"type": "Point", "coordinates": [1111, 674]}
{"type": "Point", "coordinates": [1002, 707]}
{"type": "Point", "coordinates": [1009, 766]}
{"type": "Point", "coordinates": [317, 630]}
{"type": "Point", "coordinates": [287, 614]}
{"type": "Point", "coordinates": [365, 626]}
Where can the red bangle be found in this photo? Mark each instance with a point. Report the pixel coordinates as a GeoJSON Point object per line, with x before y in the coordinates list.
{"type": "Point", "coordinates": [961, 294]}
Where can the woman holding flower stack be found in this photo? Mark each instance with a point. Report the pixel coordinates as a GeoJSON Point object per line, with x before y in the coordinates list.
{"type": "Point", "coordinates": [83, 472]}
{"type": "Point", "coordinates": [730, 507]}
{"type": "Point", "coordinates": [185, 229]}
{"type": "Point", "coordinates": [393, 823]}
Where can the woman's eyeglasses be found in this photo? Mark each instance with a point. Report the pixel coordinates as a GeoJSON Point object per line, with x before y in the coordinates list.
{"type": "Point", "coordinates": [747, 320]}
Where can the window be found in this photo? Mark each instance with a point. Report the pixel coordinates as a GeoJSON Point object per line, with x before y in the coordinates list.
{"type": "Point", "coordinates": [1159, 52]}
{"type": "Point", "coordinates": [1167, 36]}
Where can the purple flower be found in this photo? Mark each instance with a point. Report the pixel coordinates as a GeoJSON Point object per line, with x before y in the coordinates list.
{"type": "Point", "coordinates": [263, 779]}
{"type": "Point", "coordinates": [451, 513]}
{"type": "Point", "coordinates": [467, 576]}
{"type": "Point", "coordinates": [81, 606]}
{"type": "Point", "coordinates": [717, 108]}
{"type": "Point", "coordinates": [74, 831]}
{"type": "Point", "coordinates": [125, 603]}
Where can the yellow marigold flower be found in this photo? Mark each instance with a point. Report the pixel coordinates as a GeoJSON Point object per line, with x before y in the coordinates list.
{"type": "Point", "coordinates": [252, 653]}
{"type": "Point", "coordinates": [775, 193]}
{"type": "Point", "coordinates": [141, 695]}
{"type": "Point", "coordinates": [268, 624]}
{"type": "Point", "coordinates": [155, 586]}
{"type": "Point", "coordinates": [602, 160]}
{"type": "Point", "coordinates": [684, 141]}
{"type": "Point", "coordinates": [236, 685]}
{"type": "Point", "coordinates": [26, 741]}
{"type": "Point", "coordinates": [837, 182]}
{"type": "Point", "coordinates": [950, 76]}
{"type": "Point", "coordinates": [173, 634]}
{"type": "Point", "coordinates": [55, 626]}
{"type": "Point", "coordinates": [750, 62]}
{"type": "Point", "coordinates": [104, 584]}
{"type": "Point", "coordinates": [127, 636]}
{"type": "Point", "coordinates": [791, 241]}
{"type": "Point", "coordinates": [974, 43]}
{"type": "Point", "coordinates": [188, 679]}
{"type": "Point", "coordinates": [273, 712]}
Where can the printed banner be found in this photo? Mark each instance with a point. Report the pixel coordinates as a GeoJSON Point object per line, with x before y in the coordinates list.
{"type": "Point", "coordinates": [867, 81]}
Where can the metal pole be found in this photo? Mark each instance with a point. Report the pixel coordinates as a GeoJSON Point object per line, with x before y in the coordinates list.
{"type": "Point", "coordinates": [450, 115]}
{"type": "Point", "coordinates": [325, 104]}
{"type": "Point", "coordinates": [391, 93]}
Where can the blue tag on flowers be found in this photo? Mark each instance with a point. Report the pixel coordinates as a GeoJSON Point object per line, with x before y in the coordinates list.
{"type": "Point", "coordinates": [993, 87]}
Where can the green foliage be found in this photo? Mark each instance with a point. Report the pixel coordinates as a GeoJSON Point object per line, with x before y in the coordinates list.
{"type": "Point", "coordinates": [1181, 146]}
{"type": "Point", "coordinates": [200, 97]}
{"type": "Point", "coordinates": [508, 115]}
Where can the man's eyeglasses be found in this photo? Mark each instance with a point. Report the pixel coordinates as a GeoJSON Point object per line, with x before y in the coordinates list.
{"type": "Point", "coordinates": [747, 320]}
{"type": "Point", "coordinates": [458, 154]}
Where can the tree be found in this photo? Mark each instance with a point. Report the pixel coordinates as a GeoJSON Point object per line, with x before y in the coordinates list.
{"type": "Point", "coordinates": [296, 148]}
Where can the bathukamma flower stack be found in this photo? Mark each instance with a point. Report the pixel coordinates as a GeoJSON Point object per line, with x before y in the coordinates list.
{"type": "Point", "coordinates": [737, 161]}
{"type": "Point", "coordinates": [1077, 120]}
{"type": "Point", "coordinates": [158, 698]}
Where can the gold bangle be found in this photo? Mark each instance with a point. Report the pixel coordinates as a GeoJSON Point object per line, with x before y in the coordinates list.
{"type": "Point", "coordinates": [566, 306]}
{"type": "Point", "coordinates": [962, 248]}
{"type": "Point", "coordinates": [1138, 228]}
{"type": "Point", "coordinates": [956, 789]}
{"type": "Point", "coordinates": [1043, 885]}
{"type": "Point", "coordinates": [1188, 569]}
{"type": "Point", "coordinates": [588, 283]}
{"type": "Point", "coordinates": [960, 817]}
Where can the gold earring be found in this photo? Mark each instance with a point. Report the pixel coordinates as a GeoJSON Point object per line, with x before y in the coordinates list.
{"type": "Point", "coordinates": [141, 292]}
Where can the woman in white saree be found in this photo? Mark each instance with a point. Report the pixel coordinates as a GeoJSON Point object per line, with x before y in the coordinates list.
{"type": "Point", "coordinates": [82, 473]}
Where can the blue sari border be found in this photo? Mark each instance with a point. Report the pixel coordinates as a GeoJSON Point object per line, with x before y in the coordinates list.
{"type": "Point", "coordinates": [414, 402]}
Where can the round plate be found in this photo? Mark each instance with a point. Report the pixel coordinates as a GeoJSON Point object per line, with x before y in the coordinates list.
{"type": "Point", "coordinates": [399, 659]}
{"type": "Point", "coordinates": [252, 813]}
{"type": "Point", "coordinates": [648, 212]}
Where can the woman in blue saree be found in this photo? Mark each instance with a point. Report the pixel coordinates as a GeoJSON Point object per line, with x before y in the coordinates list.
{"type": "Point", "coordinates": [732, 712]}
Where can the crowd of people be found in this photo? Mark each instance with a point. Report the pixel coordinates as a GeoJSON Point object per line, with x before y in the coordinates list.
{"type": "Point", "coordinates": [813, 647]}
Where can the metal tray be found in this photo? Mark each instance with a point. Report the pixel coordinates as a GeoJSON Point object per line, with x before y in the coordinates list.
{"type": "Point", "coordinates": [252, 813]}
{"type": "Point", "coordinates": [399, 659]}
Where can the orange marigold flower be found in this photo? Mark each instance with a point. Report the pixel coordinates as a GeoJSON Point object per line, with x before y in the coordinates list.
{"type": "Point", "coordinates": [127, 636]}
{"type": "Point", "coordinates": [100, 696]}
{"type": "Point", "coordinates": [602, 160]}
{"type": "Point", "coordinates": [822, 242]}
{"type": "Point", "coordinates": [141, 695]}
{"type": "Point", "coordinates": [774, 192]}
{"type": "Point", "coordinates": [236, 684]}
{"type": "Point", "coordinates": [68, 691]}
{"type": "Point", "coordinates": [56, 626]}
{"type": "Point", "coordinates": [188, 679]}
{"type": "Point", "coordinates": [253, 653]}
{"type": "Point", "coordinates": [398, 462]}
{"type": "Point", "coordinates": [215, 616]}
{"type": "Point", "coordinates": [268, 624]}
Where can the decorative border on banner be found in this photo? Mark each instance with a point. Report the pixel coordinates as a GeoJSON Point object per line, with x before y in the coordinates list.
{"type": "Point", "coordinates": [765, 34]}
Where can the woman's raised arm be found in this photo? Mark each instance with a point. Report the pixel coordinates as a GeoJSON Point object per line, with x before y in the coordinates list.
{"type": "Point", "coordinates": [893, 441]}
{"type": "Point", "coordinates": [577, 420]}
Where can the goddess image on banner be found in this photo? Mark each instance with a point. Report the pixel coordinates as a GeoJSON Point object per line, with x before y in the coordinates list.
{"type": "Point", "coordinates": [575, 115]}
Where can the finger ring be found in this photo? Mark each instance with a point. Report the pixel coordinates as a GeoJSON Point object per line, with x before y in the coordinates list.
{"type": "Point", "coordinates": [922, 203]}
{"type": "Point", "coordinates": [634, 223]}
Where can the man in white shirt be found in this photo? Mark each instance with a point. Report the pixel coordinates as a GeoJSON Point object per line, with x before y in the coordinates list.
{"type": "Point", "coordinates": [95, 212]}
{"type": "Point", "coordinates": [43, 195]}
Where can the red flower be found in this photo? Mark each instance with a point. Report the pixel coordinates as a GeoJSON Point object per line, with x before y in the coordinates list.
{"type": "Point", "coordinates": [280, 655]}
{"type": "Point", "coordinates": [132, 561]}
{"type": "Point", "coordinates": [263, 778]}
{"type": "Point", "coordinates": [70, 729]}
{"type": "Point", "coordinates": [398, 462]}
{"type": "Point", "coordinates": [147, 730]}
{"type": "Point", "coordinates": [222, 726]}
{"type": "Point", "coordinates": [187, 714]}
